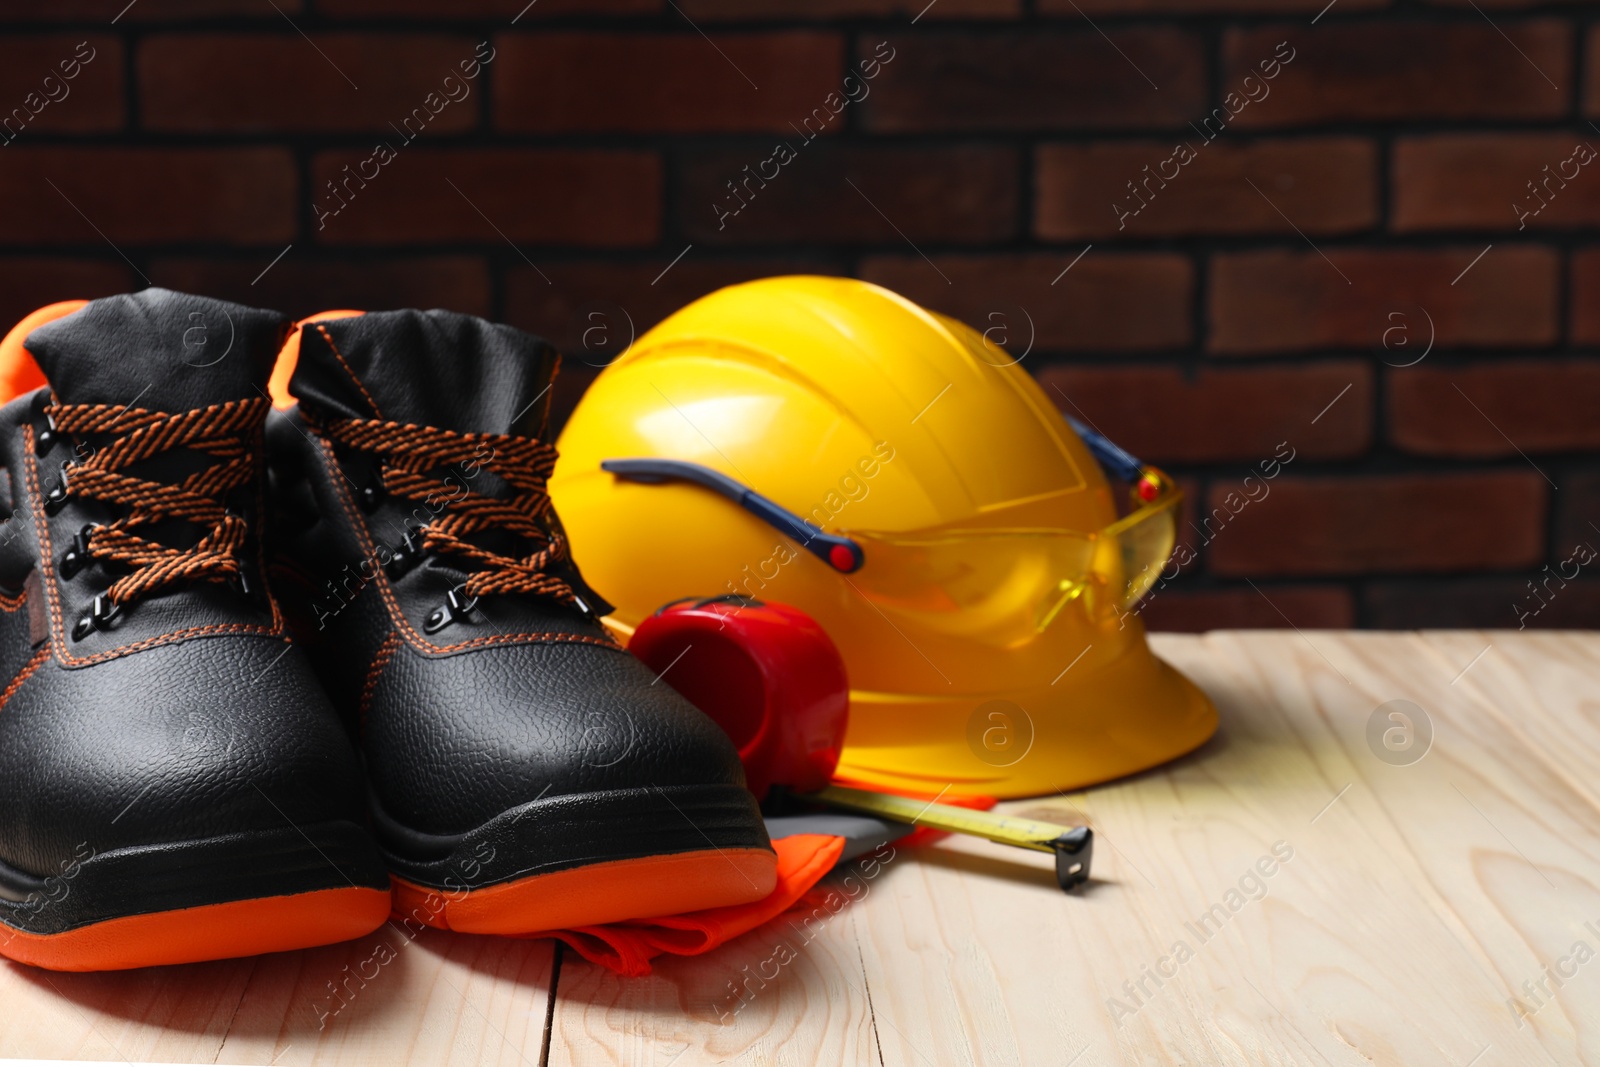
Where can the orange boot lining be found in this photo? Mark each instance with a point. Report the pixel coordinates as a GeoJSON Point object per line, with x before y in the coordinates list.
{"type": "Point", "coordinates": [19, 373]}
{"type": "Point", "coordinates": [289, 357]}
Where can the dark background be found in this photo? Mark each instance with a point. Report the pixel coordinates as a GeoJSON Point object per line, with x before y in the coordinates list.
{"type": "Point", "coordinates": [1282, 288]}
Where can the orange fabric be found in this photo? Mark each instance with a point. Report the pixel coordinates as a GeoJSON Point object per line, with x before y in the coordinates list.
{"type": "Point", "coordinates": [614, 891]}
{"type": "Point", "coordinates": [289, 357]}
{"type": "Point", "coordinates": [627, 948]}
{"type": "Point", "coordinates": [209, 932]}
{"type": "Point", "coordinates": [18, 372]}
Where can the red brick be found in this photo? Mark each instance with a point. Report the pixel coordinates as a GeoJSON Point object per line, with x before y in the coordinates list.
{"type": "Point", "coordinates": [539, 197]}
{"type": "Point", "coordinates": [1392, 70]}
{"type": "Point", "coordinates": [818, 10]}
{"type": "Point", "coordinates": [300, 285]}
{"type": "Point", "coordinates": [1495, 409]}
{"type": "Point", "coordinates": [1546, 601]}
{"type": "Point", "coordinates": [34, 68]}
{"type": "Point", "coordinates": [1324, 185]}
{"type": "Point", "coordinates": [1591, 96]}
{"type": "Point", "coordinates": [231, 196]}
{"type": "Point", "coordinates": [1484, 603]}
{"type": "Point", "coordinates": [1585, 301]}
{"type": "Point", "coordinates": [1079, 8]}
{"type": "Point", "coordinates": [620, 301]}
{"type": "Point", "coordinates": [501, 11]}
{"type": "Point", "coordinates": [1107, 301]}
{"type": "Point", "coordinates": [29, 284]}
{"type": "Point", "coordinates": [1577, 512]}
{"type": "Point", "coordinates": [1164, 414]}
{"type": "Point", "coordinates": [959, 193]}
{"type": "Point", "coordinates": [238, 82]}
{"type": "Point", "coordinates": [1036, 79]}
{"type": "Point", "coordinates": [1481, 181]}
{"type": "Point", "coordinates": [120, 11]}
{"type": "Point", "coordinates": [1382, 524]}
{"type": "Point", "coordinates": [1503, 5]}
{"type": "Point", "coordinates": [1264, 302]}
{"type": "Point", "coordinates": [1309, 607]}
{"type": "Point", "coordinates": [679, 82]}
{"type": "Point", "coordinates": [1194, 499]}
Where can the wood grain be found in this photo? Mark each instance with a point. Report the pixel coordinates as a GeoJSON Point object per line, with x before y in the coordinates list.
{"type": "Point", "coordinates": [440, 999]}
{"type": "Point", "coordinates": [1414, 903]}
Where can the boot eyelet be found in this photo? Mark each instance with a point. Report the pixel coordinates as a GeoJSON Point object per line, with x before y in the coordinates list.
{"type": "Point", "coordinates": [77, 557]}
{"type": "Point", "coordinates": [45, 438]}
{"type": "Point", "coordinates": [372, 494]}
{"type": "Point", "coordinates": [102, 614]}
{"type": "Point", "coordinates": [407, 554]}
{"type": "Point", "coordinates": [56, 497]}
{"type": "Point", "coordinates": [457, 608]}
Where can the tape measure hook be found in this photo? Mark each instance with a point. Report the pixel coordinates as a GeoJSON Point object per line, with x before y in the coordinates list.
{"type": "Point", "coordinates": [1074, 850]}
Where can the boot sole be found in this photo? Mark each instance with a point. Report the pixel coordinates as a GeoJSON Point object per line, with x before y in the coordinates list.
{"type": "Point", "coordinates": [184, 902]}
{"type": "Point", "coordinates": [584, 860]}
{"type": "Point", "coordinates": [615, 891]}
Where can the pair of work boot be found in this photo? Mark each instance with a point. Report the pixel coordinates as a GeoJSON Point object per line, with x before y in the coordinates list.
{"type": "Point", "coordinates": [268, 675]}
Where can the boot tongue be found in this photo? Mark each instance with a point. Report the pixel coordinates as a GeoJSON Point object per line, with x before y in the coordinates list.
{"type": "Point", "coordinates": [431, 368]}
{"type": "Point", "coordinates": [158, 350]}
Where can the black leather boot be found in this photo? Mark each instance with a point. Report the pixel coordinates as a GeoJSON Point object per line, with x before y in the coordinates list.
{"type": "Point", "coordinates": [174, 785]}
{"type": "Point", "coordinates": [525, 772]}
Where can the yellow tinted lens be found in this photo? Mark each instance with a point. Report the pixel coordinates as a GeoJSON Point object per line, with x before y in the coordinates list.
{"type": "Point", "coordinates": [1002, 584]}
{"type": "Point", "coordinates": [1008, 585]}
{"type": "Point", "coordinates": [1142, 543]}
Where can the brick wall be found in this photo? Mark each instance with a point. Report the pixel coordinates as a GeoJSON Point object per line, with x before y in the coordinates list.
{"type": "Point", "coordinates": [1230, 229]}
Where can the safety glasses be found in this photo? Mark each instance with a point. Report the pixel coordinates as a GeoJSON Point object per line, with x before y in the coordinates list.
{"type": "Point", "coordinates": [1006, 583]}
{"type": "Point", "coordinates": [1014, 583]}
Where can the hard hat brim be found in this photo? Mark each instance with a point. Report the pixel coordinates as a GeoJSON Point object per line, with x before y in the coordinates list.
{"type": "Point", "coordinates": [1127, 716]}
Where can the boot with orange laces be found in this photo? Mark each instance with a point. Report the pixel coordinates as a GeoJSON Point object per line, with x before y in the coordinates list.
{"type": "Point", "coordinates": [525, 772]}
{"type": "Point", "coordinates": [174, 785]}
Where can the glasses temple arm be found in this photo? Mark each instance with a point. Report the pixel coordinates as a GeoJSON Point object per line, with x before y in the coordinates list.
{"type": "Point", "coordinates": [840, 553]}
{"type": "Point", "coordinates": [1109, 455]}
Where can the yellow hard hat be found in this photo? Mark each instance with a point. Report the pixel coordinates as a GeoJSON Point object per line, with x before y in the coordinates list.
{"type": "Point", "coordinates": [825, 443]}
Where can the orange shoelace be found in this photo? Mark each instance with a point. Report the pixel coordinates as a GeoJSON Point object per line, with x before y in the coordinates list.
{"type": "Point", "coordinates": [411, 457]}
{"type": "Point", "coordinates": [230, 433]}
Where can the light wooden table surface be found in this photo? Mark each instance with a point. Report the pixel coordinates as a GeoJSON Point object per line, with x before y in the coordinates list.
{"type": "Point", "coordinates": [1415, 902]}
